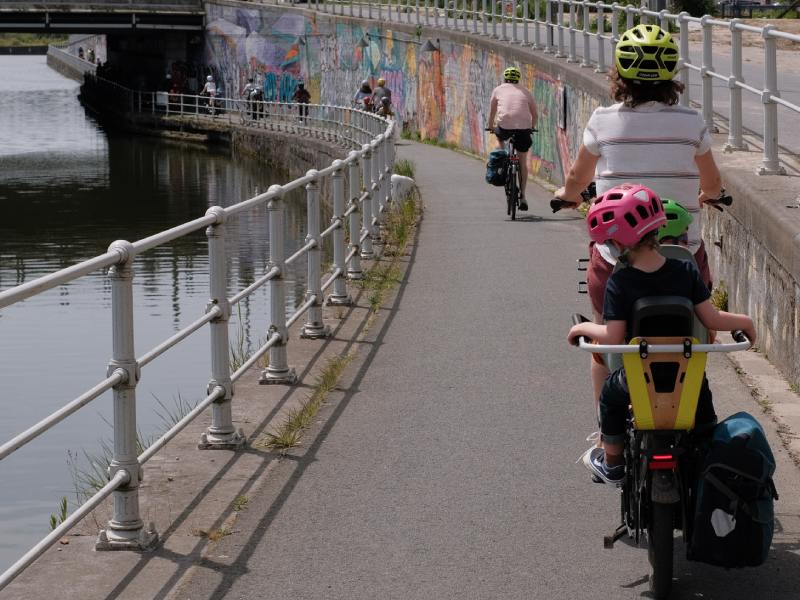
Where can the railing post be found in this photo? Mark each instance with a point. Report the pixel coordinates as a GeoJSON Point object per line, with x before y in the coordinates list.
{"type": "Point", "coordinates": [221, 434]}
{"type": "Point", "coordinates": [514, 32]}
{"type": "Point", "coordinates": [125, 530]}
{"type": "Point", "coordinates": [707, 79]}
{"type": "Point", "coordinates": [278, 370]}
{"type": "Point", "coordinates": [587, 50]}
{"type": "Point", "coordinates": [339, 296]}
{"type": "Point", "coordinates": [601, 40]}
{"type": "Point", "coordinates": [416, 9]}
{"type": "Point", "coordinates": [525, 19]}
{"type": "Point", "coordinates": [629, 10]}
{"type": "Point", "coordinates": [435, 13]}
{"type": "Point", "coordinates": [494, 18]}
{"type": "Point", "coordinates": [503, 30]}
{"type": "Point", "coordinates": [377, 190]}
{"type": "Point", "coordinates": [475, 16]}
{"type": "Point", "coordinates": [735, 141]}
{"type": "Point", "coordinates": [770, 165]}
{"type": "Point", "coordinates": [366, 207]}
{"type": "Point", "coordinates": [683, 23]}
{"type": "Point", "coordinates": [560, 53]}
{"type": "Point", "coordinates": [314, 328]}
{"type": "Point", "coordinates": [663, 20]}
{"type": "Point", "coordinates": [360, 10]}
{"type": "Point", "coordinates": [573, 51]}
{"type": "Point", "coordinates": [354, 181]}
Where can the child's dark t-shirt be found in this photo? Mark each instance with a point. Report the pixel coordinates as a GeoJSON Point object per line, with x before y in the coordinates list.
{"type": "Point", "coordinates": [674, 278]}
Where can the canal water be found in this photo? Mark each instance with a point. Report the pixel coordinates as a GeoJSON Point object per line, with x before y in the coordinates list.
{"type": "Point", "coordinates": [68, 188]}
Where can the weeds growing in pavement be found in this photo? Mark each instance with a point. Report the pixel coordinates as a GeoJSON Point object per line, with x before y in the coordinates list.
{"type": "Point", "coordinates": [405, 167]}
{"type": "Point", "coordinates": [289, 432]}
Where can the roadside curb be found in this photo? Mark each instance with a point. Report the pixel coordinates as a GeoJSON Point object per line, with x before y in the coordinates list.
{"type": "Point", "coordinates": [773, 394]}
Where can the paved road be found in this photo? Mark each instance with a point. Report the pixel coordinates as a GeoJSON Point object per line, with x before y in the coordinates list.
{"type": "Point", "coordinates": [447, 468]}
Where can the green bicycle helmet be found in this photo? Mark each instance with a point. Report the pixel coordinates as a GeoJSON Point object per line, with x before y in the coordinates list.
{"type": "Point", "coordinates": [678, 220]}
{"type": "Point", "coordinates": [646, 53]}
{"type": "Point", "coordinates": [512, 75]}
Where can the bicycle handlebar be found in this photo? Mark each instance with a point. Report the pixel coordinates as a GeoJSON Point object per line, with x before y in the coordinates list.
{"type": "Point", "coordinates": [586, 345]}
{"type": "Point", "coordinates": [724, 199]}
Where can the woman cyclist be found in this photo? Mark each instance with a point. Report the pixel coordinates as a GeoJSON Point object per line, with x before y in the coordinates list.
{"type": "Point", "coordinates": [516, 113]}
{"type": "Point", "coordinates": [646, 138]}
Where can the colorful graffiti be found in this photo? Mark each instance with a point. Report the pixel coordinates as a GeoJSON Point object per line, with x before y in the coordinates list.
{"type": "Point", "coordinates": [442, 94]}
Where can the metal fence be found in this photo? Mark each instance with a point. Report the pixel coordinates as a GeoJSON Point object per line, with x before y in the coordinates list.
{"type": "Point", "coordinates": [586, 33]}
{"type": "Point", "coordinates": [360, 190]}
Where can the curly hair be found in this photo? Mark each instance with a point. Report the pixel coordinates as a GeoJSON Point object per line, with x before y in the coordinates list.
{"type": "Point", "coordinates": [632, 93]}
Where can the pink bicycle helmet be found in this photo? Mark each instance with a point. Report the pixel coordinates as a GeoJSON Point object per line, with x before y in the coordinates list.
{"type": "Point", "coordinates": [625, 214]}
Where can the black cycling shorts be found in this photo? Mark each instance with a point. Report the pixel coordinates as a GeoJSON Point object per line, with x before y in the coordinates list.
{"type": "Point", "coordinates": [522, 137]}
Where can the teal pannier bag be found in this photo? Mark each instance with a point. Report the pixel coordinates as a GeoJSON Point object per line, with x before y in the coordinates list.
{"type": "Point", "coordinates": [734, 512]}
{"type": "Point", "coordinates": [497, 167]}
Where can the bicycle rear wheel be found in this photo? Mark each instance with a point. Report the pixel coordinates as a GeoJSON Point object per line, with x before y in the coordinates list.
{"type": "Point", "coordinates": [512, 193]}
{"type": "Point", "coordinates": [660, 547]}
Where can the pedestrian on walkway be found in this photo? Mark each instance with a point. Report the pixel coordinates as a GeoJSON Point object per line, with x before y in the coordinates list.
{"type": "Point", "coordinates": [302, 97]}
{"type": "Point", "coordinates": [645, 138]}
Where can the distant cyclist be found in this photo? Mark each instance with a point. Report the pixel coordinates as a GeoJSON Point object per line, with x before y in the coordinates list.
{"type": "Point", "coordinates": [645, 138]}
{"type": "Point", "coordinates": [516, 113]}
{"type": "Point", "coordinates": [379, 93]}
{"type": "Point", "coordinates": [363, 98]}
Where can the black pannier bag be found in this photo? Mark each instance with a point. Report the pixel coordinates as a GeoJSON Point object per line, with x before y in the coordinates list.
{"type": "Point", "coordinates": [734, 513]}
{"type": "Point", "coordinates": [497, 167]}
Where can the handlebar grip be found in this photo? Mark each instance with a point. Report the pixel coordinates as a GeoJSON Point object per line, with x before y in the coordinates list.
{"type": "Point", "coordinates": [739, 336]}
{"type": "Point", "coordinates": [557, 204]}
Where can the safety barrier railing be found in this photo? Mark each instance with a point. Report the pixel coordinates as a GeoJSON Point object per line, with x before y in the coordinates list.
{"type": "Point", "coordinates": [360, 191]}
{"type": "Point", "coordinates": [77, 63]}
{"type": "Point", "coordinates": [556, 27]}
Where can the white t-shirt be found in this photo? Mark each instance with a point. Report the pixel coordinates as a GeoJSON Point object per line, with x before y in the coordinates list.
{"type": "Point", "coordinates": [654, 145]}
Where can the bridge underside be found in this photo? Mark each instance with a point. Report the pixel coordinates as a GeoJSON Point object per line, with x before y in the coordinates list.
{"type": "Point", "coordinates": [47, 21]}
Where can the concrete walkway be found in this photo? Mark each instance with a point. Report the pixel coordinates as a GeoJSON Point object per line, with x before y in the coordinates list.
{"type": "Point", "coordinates": [446, 469]}
{"type": "Point", "coordinates": [444, 466]}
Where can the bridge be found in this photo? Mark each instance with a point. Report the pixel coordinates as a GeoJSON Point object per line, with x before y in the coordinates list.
{"type": "Point", "coordinates": [442, 465]}
{"type": "Point", "coordinates": [110, 16]}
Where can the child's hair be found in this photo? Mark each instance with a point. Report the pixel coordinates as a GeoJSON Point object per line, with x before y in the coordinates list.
{"type": "Point", "coordinates": [649, 240]}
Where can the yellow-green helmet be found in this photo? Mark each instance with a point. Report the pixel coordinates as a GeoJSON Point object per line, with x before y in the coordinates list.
{"type": "Point", "coordinates": [646, 53]}
{"type": "Point", "coordinates": [678, 220]}
{"type": "Point", "coordinates": [512, 75]}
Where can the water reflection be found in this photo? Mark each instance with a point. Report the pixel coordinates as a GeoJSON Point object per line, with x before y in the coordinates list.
{"type": "Point", "coordinates": [67, 190]}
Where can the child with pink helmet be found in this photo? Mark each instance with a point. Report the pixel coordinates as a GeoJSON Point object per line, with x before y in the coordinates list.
{"type": "Point", "coordinates": [626, 219]}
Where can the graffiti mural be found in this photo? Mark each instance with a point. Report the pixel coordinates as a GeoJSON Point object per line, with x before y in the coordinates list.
{"type": "Point", "coordinates": [443, 94]}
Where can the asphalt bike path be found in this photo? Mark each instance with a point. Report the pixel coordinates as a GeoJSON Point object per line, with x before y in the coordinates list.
{"type": "Point", "coordinates": [446, 466]}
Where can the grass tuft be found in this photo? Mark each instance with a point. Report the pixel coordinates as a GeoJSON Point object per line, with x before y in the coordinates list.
{"type": "Point", "coordinates": [289, 432]}
{"type": "Point", "coordinates": [61, 516]}
{"type": "Point", "coordinates": [719, 297]}
{"type": "Point", "coordinates": [405, 167]}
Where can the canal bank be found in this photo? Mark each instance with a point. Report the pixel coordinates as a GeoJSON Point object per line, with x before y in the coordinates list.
{"type": "Point", "coordinates": [72, 188]}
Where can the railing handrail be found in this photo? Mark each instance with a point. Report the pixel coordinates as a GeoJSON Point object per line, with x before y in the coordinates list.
{"type": "Point", "coordinates": [370, 138]}
{"type": "Point", "coordinates": [565, 20]}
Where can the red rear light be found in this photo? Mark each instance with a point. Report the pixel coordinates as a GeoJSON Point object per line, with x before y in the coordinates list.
{"type": "Point", "coordinates": [662, 462]}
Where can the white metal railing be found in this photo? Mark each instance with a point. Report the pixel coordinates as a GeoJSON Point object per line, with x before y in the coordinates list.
{"type": "Point", "coordinates": [360, 207]}
{"type": "Point", "coordinates": [597, 25]}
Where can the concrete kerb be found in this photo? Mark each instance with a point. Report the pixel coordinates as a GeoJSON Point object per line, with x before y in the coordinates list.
{"type": "Point", "coordinates": [191, 494]}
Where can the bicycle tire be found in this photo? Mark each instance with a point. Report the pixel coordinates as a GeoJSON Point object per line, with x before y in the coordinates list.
{"type": "Point", "coordinates": [660, 541]}
{"type": "Point", "coordinates": [512, 192]}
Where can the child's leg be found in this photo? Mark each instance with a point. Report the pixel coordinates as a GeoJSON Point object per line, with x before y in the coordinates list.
{"type": "Point", "coordinates": [614, 402]}
{"type": "Point", "coordinates": [705, 415]}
